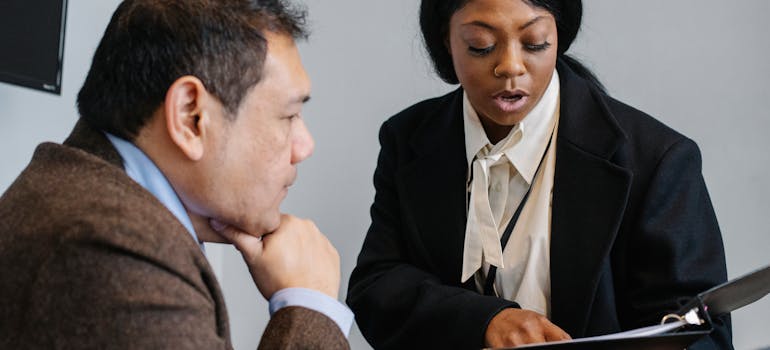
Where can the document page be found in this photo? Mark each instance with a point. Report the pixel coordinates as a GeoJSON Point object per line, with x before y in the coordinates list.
{"type": "Point", "coordinates": [634, 333]}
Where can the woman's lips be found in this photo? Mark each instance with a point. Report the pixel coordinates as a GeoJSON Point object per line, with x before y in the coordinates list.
{"type": "Point", "coordinates": [510, 101]}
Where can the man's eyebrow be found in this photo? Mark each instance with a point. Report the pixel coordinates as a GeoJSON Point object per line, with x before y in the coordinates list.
{"type": "Point", "coordinates": [302, 99]}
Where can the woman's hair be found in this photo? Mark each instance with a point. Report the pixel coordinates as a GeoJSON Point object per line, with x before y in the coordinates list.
{"type": "Point", "coordinates": [435, 16]}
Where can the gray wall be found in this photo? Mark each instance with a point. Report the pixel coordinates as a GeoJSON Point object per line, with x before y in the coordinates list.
{"type": "Point", "coordinates": [700, 66]}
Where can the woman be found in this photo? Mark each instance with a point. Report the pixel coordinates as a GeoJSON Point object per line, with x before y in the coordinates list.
{"type": "Point", "coordinates": [527, 205]}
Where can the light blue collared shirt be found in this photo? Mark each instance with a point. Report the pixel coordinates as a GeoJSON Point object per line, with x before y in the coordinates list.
{"type": "Point", "coordinates": [141, 169]}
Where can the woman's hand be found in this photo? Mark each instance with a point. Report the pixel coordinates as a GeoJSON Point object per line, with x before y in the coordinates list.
{"type": "Point", "coordinates": [514, 327]}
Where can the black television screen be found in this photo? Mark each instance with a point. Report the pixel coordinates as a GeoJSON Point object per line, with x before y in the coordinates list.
{"type": "Point", "coordinates": [32, 43]}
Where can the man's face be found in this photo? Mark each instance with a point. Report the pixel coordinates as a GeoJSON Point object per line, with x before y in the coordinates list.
{"type": "Point", "coordinates": [250, 162]}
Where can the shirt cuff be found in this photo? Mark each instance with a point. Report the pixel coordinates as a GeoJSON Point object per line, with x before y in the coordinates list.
{"type": "Point", "coordinates": [314, 300]}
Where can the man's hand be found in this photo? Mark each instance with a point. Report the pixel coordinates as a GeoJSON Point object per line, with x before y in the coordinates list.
{"type": "Point", "coordinates": [514, 327]}
{"type": "Point", "coordinates": [297, 254]}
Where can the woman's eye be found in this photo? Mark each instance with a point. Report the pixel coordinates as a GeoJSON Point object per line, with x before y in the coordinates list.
{"type": "Point", "coordinates": [480, 51]}
{"type": "Point", "coordinates": [537, 47]}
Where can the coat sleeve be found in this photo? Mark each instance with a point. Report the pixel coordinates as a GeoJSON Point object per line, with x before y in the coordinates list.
{"type": "Point", "coordinates": [398, 302]}
{"type": "Point", "coordinates": [677, 251]}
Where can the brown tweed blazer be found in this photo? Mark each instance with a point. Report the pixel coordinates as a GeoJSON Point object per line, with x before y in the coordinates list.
{"type": "Point", "coordinates": [91, 260]}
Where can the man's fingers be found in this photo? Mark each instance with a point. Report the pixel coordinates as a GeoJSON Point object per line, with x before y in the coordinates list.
{"type": "Point", "coordinates": [247, 244]}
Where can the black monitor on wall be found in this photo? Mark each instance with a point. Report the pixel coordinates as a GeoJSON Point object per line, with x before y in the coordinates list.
{"type": "Point", "coordinates": [32, 43]}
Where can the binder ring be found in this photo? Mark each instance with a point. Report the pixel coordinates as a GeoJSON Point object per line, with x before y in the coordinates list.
{"type": "Point", "coordinates": [670, 317]}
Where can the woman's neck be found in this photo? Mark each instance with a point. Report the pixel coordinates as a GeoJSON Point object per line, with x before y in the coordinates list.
{"type": "Point", "coordinates": [495, 132]}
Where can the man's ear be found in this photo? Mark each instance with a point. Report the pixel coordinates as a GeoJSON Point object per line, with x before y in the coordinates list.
{"type": "Point", "coordinates": [186, 115]}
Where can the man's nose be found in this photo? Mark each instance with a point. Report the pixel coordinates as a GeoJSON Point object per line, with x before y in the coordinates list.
{"type": "Point", "coordinates": [302, 143]}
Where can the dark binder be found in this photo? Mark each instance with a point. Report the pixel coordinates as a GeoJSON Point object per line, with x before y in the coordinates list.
{"type": "Point", "coordinates": [680, 329]}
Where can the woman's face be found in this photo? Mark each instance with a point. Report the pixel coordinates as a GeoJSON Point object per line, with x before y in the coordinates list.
{"type": "Point", "coordinates": [504, 54]}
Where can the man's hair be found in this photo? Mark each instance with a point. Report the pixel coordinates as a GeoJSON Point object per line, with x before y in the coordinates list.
{"type": "Point", "coordinates": [149, 44]}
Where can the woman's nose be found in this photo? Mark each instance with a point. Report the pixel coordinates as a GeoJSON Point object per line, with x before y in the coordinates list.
{"type": "Point", "coordinates": [511, 64]}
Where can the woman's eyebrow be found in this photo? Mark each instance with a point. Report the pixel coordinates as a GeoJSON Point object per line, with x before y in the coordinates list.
{"type": "Point", "coordinates": [486, 25]}
{"type": "Point", "coordinates": [480, 24]}
{"type": "Point", "coordinates": [531, 22]}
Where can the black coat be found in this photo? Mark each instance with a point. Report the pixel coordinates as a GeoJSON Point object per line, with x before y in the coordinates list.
{"type": "Point", "coordinates": [633, 229]}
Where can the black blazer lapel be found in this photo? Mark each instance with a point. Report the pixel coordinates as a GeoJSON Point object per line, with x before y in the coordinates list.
{"type": "Point", "coordinates": [434, 184]}
{"type": "Point", "coordinates": [589, 198]}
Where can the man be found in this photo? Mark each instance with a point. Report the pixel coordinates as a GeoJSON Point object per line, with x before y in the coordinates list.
{"type": "Point", "coordinates": [190, 131]}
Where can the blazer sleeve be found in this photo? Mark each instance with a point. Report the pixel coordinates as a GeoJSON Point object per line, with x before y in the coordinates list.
{"type": "Point", "coordinates": [678, 250]}
{"type": "Point", "coordinates": [397, 301]}
{"type": "Point", "coordinates": [301, 328]}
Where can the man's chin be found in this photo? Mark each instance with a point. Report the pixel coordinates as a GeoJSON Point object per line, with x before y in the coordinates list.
{"type": "Point", "coordinates": [272, 226]}
{"type": "Point", "coordinates": [262, 226]}
{"type": "Point", "coordinates": [257, 228]}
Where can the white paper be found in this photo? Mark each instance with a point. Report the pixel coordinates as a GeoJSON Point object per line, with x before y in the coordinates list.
{"type": "Point", "coordinates": [634, 333]}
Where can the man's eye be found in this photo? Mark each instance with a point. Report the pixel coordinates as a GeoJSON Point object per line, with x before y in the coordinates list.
{"type": "Point", "coordinates": [480, 51]}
